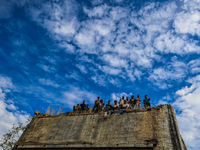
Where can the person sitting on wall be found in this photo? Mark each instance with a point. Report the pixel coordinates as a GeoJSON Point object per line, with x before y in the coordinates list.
{"type": "Point", "coordinates": [125, 105]}
{"type": "Point", "coordinates": [96, 104]}
{"type": "Point", "coordinates": [109, 105]}
{"type": "Point", "coordinates": [78, 107]}
{"type": "Point", "coordinates": [127, 100]}
{"type": "Point", "coordinates": [88, 108]}
{"type": "Point", "coordinates": [132, 102]}
{"type": "Point", "coordinates": [146, 102]}
{"type": "Point", "coordinates": [115, 105]}
{"type": "Point", "coordinates": [138, 102]}
{"type": "Point", "coordinates": [74, 108]}
{"type": "Point", "coordinates": [107, 109]}
{"type": "Point", "coordinates": [83, 106]}
{"type": "Point", "coordinates": [101, 105]}
{"type": "Point", "coordinates": [121, 102]}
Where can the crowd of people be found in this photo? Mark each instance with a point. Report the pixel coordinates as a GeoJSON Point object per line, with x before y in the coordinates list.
{"type": "Point", "coordinates": [123, 104]}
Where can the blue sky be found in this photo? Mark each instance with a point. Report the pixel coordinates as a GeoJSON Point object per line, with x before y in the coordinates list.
{"type": "Point", "coordinates": [61, 52]}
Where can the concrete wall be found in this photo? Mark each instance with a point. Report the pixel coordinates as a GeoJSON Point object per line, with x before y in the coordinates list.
{"type": "Point", "coordinates": [151, 129]}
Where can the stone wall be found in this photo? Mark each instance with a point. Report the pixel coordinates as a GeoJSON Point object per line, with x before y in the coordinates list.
{"type": "Point", "coordinates": [155, 128]}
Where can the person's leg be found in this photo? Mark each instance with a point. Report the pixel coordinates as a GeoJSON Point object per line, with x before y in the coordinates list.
{"type": "Point", "coordinates": [136, 106]}
{"type": "Point", "coordinates": [145, 105]}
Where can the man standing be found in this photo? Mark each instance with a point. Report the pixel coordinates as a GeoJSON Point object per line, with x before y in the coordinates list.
{"type": "Point", "coordinates": [138, 102]}
{"type": "Point", "coordinates": [146, 102]}
{"type": "Point", "coordinates": [132, 102]}
{"type": "Point", "coordinates": [83, 106]}
{"type": "Point", "coordinates": [121, 102]}
{"type": "Point", "coordinates": [96, 105]}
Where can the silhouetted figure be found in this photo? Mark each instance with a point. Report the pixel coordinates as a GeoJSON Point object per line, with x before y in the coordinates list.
{"type": "Point", "coordinates": [76, 108]}
{"type": "Point", "coordinates": [96, 104]}
{"type": "Point", "coordinates": [83, 105]}
{"type": "Point", "coordinates": [88, 108]}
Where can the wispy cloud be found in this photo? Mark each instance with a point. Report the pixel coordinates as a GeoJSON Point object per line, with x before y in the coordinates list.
{"type": "Point", "coordinates": [101, 46]}
{"type": "Point", "coordinates": [188, 103]}
{"type": "Point", "coordinates": [9, 113]}
{"type": "Point", "coordinates": [76, 95]}
{"type": "Point", "coordinates": [48, 82]}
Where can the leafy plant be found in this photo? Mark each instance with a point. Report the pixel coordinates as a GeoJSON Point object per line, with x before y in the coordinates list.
{"type": "Point", "coordinates": [9, 139]}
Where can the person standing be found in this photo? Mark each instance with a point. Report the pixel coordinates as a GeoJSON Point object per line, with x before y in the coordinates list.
{"type": "Point", "coordinates": [132, 102]}
{"type": "Point", "coordinates": [146, 102]}
{"type": "Point", "coordinates": [138, 102]}
{"type": "Point", "coordinates": [96, 104]}
{"type": "Point", "coordinates": [83, 106]}
{"type": "Point", "coordinates": [121, 102]}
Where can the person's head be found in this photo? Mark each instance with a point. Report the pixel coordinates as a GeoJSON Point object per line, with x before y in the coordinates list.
{"type": "Point", "coordinates": [149, 99]}
{"type": "Point", "coordinates": [124, 102]}
{"type": "Point", "coordinates": [101, 101]}
{"type": "Point", "coordinates": [127, 98]}
{"type": "Point", "coordinates": [123, 97]}
{"type": "Point", "coordinates": [106, 105]}
{"type": "Point", "coordinates": [87, 105]}
{"type": "Point", "coordinates": [115, 102]}
{"type": "Point", "coordinates": [145, 96]}
{"type": "Point", "coordinates": [132, 97]}
{"type": "Point", "coordinates": [83, 101]}
{"type": "Point", "coordinates": [98, 97]}
{"type": "Point", "coordinates": [138, 95]}
{"type": "Point", "coordinates": [108, 101]}
{"type": "Point", "coordinates": [77, 104]}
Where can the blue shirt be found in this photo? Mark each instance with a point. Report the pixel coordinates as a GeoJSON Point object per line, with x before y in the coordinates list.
{"type": "Point", "coordinates": [146, 100]}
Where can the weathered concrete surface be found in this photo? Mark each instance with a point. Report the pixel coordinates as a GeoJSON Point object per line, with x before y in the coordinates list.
{"type": "Point", "coordinates": [154, 129]}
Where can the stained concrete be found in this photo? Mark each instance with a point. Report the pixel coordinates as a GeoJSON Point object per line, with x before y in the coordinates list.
{"type": "Point", "coordinates": [145, 129]}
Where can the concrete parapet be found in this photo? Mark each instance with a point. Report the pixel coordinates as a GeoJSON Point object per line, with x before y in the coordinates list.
{"type": "Point", "coordinates": [154, 129]}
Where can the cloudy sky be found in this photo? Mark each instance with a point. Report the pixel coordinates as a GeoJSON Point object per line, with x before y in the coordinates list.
{"type": "Point", "coordinates": [61, 52]}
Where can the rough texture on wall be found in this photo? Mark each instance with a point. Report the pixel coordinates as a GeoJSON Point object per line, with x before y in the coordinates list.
{"type": "Point", "coordinates": [145, 129]}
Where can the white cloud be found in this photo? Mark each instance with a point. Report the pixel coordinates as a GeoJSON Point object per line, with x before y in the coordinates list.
{"type": "Point", "coordinates": [172, 43]}
{"type": "Point", "coordinates": [103, 80]}
{"type": "Point", "coordinates": [124, 41]}
{"type": "Point", "coordinates": [48, 82]}
{"type": "Point", "coordinates": [164, 76]}
{"type": "Point", "coordinates": [47, 68]}
{"type": "Point", "coordinates": [73, 75]}
{"type": "Point", "coordinates": [96, 11]}
{"type": "Point", "coordinates": [188, 20]}
{"type": "Point", "coordinates": [110, 70]}
{"type": "Point", "coordinates": [76, 96]}
{"type": "Point", "coordinates": [118, 96]}
{"type": "Point", "coordinates": [59, 18]}
{"type": "Point", "coordinates": [5, 82]}
{"type": "Point", "coordinates": [9, 113]}
{"type": "Point", "coordinates": [188, 104]}
{"type": "Point", "coordinates": [194, 66]}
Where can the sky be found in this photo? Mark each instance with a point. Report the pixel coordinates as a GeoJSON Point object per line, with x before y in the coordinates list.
{"type": "Point", "coordinates": [55, 53]}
